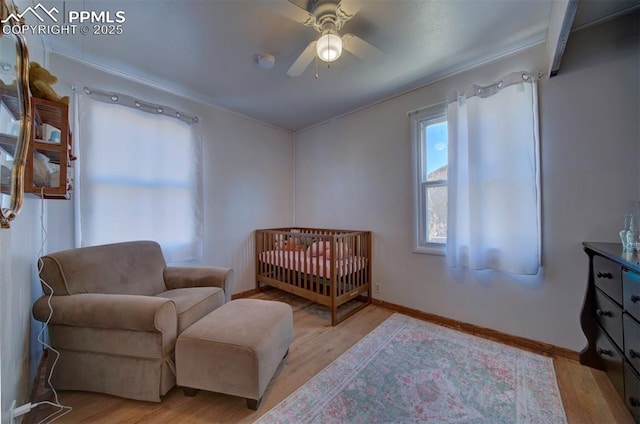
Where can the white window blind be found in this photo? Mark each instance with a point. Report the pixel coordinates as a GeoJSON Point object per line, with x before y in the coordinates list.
{"type": "Point", "coordinates": [140, 177]}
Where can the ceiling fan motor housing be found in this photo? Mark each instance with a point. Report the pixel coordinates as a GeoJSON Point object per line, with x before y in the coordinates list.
{"type": "Point", "coordinates": [325, 15]}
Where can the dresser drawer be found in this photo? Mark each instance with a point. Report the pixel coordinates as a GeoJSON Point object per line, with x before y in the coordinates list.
{"type": "Point", "coordinates": [632, 392]}
{"type": "Point", "coordinates": [631, 292]}
{"type": "Point", "coordinates": [611, 360]}
{"type": "Point", "coordinates": [632, 341]}
{"type": "Point", "coordinates": [609, 316]}
{"type": "Point", "coordinates": [608, 277]}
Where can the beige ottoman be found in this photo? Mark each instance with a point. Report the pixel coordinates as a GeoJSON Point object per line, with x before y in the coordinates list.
{"type": "Point", "coordinates": [235, 349]}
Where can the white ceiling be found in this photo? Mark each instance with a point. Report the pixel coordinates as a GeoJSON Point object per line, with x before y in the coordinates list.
{"type": "Point", "coordinates": [207, 49]}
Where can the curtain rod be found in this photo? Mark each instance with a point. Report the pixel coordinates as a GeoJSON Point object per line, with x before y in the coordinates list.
{"type": "Point", "coordinates": [436, 107]}
{"type": "Point", "coordinates": [486, 91]}
{"type": "Point", "coordinates": [132, 102]}
{"type": "Point", "coordinates": [508, 80]}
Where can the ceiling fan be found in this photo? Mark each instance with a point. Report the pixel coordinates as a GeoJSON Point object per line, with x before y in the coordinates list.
{"type": "Point", "coordinates": [326, 17]}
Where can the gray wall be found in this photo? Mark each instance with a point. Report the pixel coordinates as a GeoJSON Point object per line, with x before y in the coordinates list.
{"type": "Point", "coordinates": [354, 172]}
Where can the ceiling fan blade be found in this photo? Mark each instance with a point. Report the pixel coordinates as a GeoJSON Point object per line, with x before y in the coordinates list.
{"type": "Point", "coordinates": [357, 46]}
{"type": "Point", "coordinates": [289, 10]}
{"type": "Point", "coordinates": [303, 61]}
{"type": "Point", "coordinates": [347, 9]}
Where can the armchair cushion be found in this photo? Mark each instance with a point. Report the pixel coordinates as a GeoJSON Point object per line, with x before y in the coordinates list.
{"type": "Point", "coordinates": [134, 267]}
{"type": "Point", "coordinates": [192, 303]}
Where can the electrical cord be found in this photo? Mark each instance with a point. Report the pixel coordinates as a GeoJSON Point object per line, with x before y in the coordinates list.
{"type": "Point", "coordinates": [63, 410]}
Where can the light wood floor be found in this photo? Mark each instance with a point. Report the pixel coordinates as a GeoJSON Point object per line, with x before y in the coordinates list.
{"type": "Point", "coordinates": [587, 394]}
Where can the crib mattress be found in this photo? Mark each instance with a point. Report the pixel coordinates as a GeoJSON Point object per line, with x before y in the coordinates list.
{"type": "Point", "coordinates": [318, 266]}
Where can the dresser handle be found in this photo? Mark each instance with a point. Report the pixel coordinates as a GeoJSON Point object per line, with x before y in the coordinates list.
{"type": "Point", "coordinates": [605, 275]}
{"type": "Point", "coordinates": [633, 354]}
{"type": "Point", "coordinates": [605, 352]}
{"type": "Point", "coordinates": [634, 402]}
{"type": "Point", "coordinates": [601, 313]}
{"type": "Point", "coordinates": [635, 298]}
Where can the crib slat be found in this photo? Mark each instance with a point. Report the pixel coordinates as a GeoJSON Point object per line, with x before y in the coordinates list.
{"type": "Point", "coordinates": [360, 258]}
{"type": "Point", "coordinates": [282, 263]}
{"type": "Point", "coordinates": [342, 279]}
{"type": "Point", "coordinates": [264, 240]}
{"type": "Point", "coordinates": [347, 274]}
{"type": "Point", "coordinates": [354, 259]}
{"type": "Point", "coordinates": [298, 267]}
{"type": "Point", "coordinates": [271, 252]}
{"type": "Point", "coordinates": [359, 261]}
{"type": "Point", "coordinates": [352, 252]}
{"type": "Point", "coordinates": [305, 269]}
{"type": "Point", "coordinates": [350, 265]}
{"type": "Point", "coordinates": [294, 265]}
{"type": "Point", "coordinates": [345, 266]}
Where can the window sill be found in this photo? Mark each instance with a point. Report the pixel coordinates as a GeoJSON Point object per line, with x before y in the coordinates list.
{"type": "Point", "coordinates": [430, 250]}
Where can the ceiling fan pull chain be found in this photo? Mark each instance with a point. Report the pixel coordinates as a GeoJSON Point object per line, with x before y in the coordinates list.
{"type": "Point", "coordinates": [316, 67]}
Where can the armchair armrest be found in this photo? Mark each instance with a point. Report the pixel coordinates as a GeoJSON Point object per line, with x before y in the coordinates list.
{"type": "Point", "coordinates": [177, 277]}
{"type": "Point", "coordinates": [110, 311]}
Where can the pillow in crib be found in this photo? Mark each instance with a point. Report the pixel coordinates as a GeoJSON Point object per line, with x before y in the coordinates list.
{"type": "Point", "coordinates": [342, 251]}
{"type": "Point", "coordinates": [289, 245]}
{"type": "Point", "coordinates": [318, 248]}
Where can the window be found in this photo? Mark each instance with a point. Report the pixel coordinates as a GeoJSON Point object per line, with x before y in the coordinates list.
{"type": "Point", "coordinates": [430, 150]}
{"type": "Point", "coordinates": [140, 178]}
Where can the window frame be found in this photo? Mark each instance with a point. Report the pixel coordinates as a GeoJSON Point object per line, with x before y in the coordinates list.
{"type": "Point", "coordinates": [420, 120]}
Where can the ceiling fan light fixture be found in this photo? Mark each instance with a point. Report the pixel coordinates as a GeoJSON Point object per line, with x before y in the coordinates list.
{"type": "Point", "coordinates": [329, 45]}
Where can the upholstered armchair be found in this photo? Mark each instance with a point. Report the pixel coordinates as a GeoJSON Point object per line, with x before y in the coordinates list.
{"type": "Point", "coordinates": [117, 311]}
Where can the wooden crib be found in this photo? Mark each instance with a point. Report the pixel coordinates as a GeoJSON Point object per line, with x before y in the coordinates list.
{"type": "Point", "coordinates": [330, 267]}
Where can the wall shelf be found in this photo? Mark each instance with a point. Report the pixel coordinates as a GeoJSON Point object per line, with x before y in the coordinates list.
{"type": "Point", "coordinates": [58, 155]}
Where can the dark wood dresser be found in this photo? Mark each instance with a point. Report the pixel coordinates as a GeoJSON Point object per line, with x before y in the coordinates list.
{"type": "Point", "coordinates": [610, 319]}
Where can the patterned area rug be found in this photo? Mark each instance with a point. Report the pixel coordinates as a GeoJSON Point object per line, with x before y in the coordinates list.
{"type": "Point", "coordinates": [411, 371]}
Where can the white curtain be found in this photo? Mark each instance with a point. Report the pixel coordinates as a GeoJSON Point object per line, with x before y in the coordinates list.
{"type": "Point", "coordinates": [140, 175]}
{"type": "Point", "coordinates": [494, 177]}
